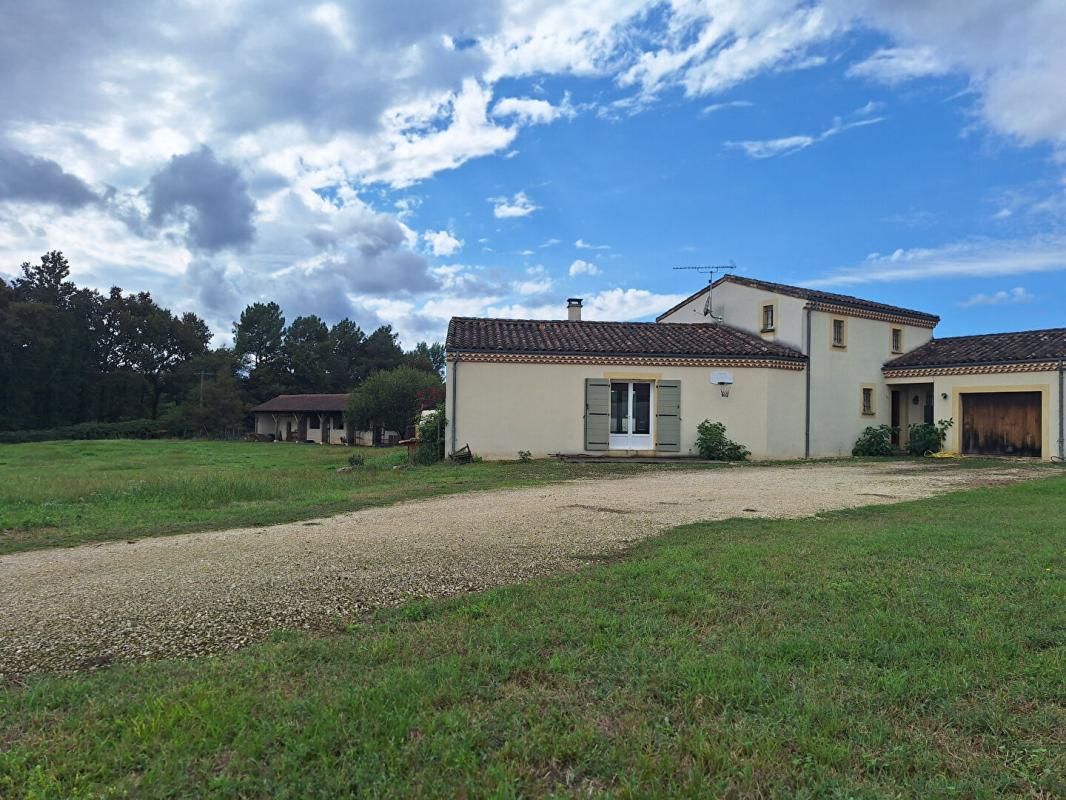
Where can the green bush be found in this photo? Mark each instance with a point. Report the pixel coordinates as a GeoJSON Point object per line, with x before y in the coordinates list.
{"type": "Point", "coordinates": [928, 438]}
{"type": "Point", "coordinates": [714, 445]}
{"type": "Point", "coordinates": [356, 460]}
{"type": "Point", "coordinates": [525, 455]}
{"type": "Point", "coordinates": [129, 429]}
{"type": "Point", "coordinates": [431, 432]}
{"type": "Point", "coordinates": [875, 441]}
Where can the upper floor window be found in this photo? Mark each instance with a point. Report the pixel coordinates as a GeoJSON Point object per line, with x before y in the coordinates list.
{"type": "Point", "coordinates": [768, 317]}
{"type": "Point", "coordinates": [897, 340]}
{"type": "Point", "coordinates": [840, 333]}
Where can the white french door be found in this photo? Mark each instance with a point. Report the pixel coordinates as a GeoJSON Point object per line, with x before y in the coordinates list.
{"type": "Point", "coordinates": [631, 415]}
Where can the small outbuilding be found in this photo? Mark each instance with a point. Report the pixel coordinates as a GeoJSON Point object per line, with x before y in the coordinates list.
{"type": "Point", "coordinates": [318, 418]}
{"type": "Point", "coordinates": [304, 417]}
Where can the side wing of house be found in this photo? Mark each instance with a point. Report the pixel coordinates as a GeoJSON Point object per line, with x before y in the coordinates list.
{"type": "Point", "coordinates": [499, 409]}
{"type": "Point", "coordinates": [618, 388]}
{"type": "Point", "coordinates": [1003, 392]}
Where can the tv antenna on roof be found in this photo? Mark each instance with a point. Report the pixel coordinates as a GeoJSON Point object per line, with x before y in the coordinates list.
{"type": "Point", "coordinates": [711, 271]}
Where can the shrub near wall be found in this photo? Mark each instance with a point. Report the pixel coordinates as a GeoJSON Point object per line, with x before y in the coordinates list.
{"type": "Point", "coordinates": [130, 429]}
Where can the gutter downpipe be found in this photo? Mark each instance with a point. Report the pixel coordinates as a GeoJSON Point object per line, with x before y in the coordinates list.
{"type": "Point", "coordinates": [807, 399]}
{"type": "Point", "coordinates": [1062, 416]}
{"type": "Point", "coordinates": [455, 397]}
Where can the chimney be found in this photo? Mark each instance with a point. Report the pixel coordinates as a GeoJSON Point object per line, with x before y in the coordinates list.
{"type": "Point", "coordinates": [573, 309]}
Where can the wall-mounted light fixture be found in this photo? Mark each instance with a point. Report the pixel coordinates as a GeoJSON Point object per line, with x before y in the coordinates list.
{"type": "Point", "coordinates": [943, 395]}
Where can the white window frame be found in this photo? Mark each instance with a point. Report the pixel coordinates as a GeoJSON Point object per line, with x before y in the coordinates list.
{"type": "Point", "coordinates": [635, 441]}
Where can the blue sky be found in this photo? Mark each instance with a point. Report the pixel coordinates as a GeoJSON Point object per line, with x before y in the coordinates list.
{"type": "Point", "coordinates": [398, 164]}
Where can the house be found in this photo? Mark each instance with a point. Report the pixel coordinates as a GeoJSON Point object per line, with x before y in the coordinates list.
{"type": "Point", "coordinates": [304, 417]}
{"type": "Point", "coordinates": [791, 372]}
{"type": "Point", "coordinates": [316, 418]}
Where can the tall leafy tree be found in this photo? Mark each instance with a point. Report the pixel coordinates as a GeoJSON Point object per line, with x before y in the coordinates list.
{"type": "Point", "coordinates": [211, 402]}
{"type": "Point", "coordinates": [346, 343]}
{"type": "Point", "coordinates": [260, 333]}
{"type": "Point", "coordinates": [307, 354]}
{"type": "Point", "coordinates": [390, 398]}
{"type": "Point", "coordinates": [428, 357]}
{"type": "Point", "coordinates": [47, 372]}
{"type": "Point", "coordinates": [155, 342]}
{"type": "Point", "coordinates": [382, 350]}
{"type": "Point", "coordinates": [46, 282]}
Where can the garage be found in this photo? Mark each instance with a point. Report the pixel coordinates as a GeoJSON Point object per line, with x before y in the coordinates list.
{"type": "Point", "coordinates": [1002, 424]}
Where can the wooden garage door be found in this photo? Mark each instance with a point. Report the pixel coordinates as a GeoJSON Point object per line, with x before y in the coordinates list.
{"type": "Point", "coordinates": [1002, 424]}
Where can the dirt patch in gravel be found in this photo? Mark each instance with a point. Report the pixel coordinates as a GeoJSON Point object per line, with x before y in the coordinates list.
{"type": "Point", "coordinates": [86, 607]}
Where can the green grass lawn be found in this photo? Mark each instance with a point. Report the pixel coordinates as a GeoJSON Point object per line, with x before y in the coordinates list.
{"type": "Point", "coordinates": [914, 650]}
{"type": "Point", "coordinates": [65, 493]}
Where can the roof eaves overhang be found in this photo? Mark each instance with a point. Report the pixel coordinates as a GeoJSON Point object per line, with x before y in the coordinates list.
{"type": "Point", "coordinates": [797, 358]}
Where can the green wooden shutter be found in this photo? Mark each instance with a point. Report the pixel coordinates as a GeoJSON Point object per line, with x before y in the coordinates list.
{"type": "Point", "coordinates": [597, 413]}
{"type": "Point", "coordinates": [668, 416]}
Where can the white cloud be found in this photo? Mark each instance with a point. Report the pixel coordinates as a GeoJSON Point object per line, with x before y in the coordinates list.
{"type": "Point", "coordinates": [1011, 53]}
{"type": "Point", "coordinates": [387, 100]}
{"type": "Point", "coordinates": [518, 205]}
{"type": "Point", "coordinates": [550, 243]}
{"type": "Point", "coordinates": [716, 107]}
{"type": "Point", "coordinates": [768, 148]}
{"type": "Point", "coordinates": [531, 111]}
{"type": "Point", "coordinates": [893, 65]}
{"type": "Point", "coordinates": [580, 267]}
{"type": "Point", "coordinates": [969, 259]}
{"type": "Point", "coordinates": [442, 243]}
{"type": "Point", "coordinates": [628, 304]}
{"type": "Point", "coordinates": [534, 286]}
{"type": "Point", "coordinates": [1000, 298]}
{"type": "Point", "coordinates": [581, 244]}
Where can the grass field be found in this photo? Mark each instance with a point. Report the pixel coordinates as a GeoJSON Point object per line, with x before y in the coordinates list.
{"type": "Point", "coordinates": [915, 650]}
{"type": "Point", "coordinates": [65, 493]}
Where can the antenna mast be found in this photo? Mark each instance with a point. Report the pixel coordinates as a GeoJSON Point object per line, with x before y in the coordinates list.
{"type": "Point", "coordinates": [711, 271]}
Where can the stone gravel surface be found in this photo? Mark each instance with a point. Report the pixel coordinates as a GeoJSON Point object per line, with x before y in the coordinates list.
{"type": "Point", "coordinates": [85, 607]}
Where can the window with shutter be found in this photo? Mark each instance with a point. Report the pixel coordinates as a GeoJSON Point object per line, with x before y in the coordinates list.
{"type": "Point", "coordinates": [597, 413]}
{"type": "Point", "coordinates": [668, 416]}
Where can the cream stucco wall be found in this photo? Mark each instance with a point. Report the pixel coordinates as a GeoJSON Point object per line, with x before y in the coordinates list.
{"type": "Point", "coordinates": [838, 375]}
{"type": "Point", "coordinates": [954, 386]}
{"type": "Point", "coordinates": [741, 307]}
{"type": "Point", "coordinates": [499, 409]}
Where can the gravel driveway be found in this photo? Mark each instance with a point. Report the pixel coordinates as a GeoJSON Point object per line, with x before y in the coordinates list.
{"type": "Point", "coordinates": [85, 607]}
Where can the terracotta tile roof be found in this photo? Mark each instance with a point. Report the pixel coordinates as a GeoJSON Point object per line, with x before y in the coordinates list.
{"type": "Point", "coordinates": [814, 295]}
{"type": "Point", "coordinates": [560, 337]}
{"type": "Point", "coordinates": [305, 402]}
{"type": "Point", "coordinates": [986, 348]}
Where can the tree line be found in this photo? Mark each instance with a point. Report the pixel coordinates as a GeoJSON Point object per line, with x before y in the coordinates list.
{"type": "Point", "coordinates": [71, 355]}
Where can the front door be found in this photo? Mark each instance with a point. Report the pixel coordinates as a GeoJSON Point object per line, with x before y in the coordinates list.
{"type": "Point", "coordinates": [631, 415]}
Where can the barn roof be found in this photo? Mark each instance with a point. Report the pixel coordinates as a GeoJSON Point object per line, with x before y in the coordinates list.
{"type": "Point", "coordinates": [560, 337]}
{"type": "Point", "coordinates": [304, 402]}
